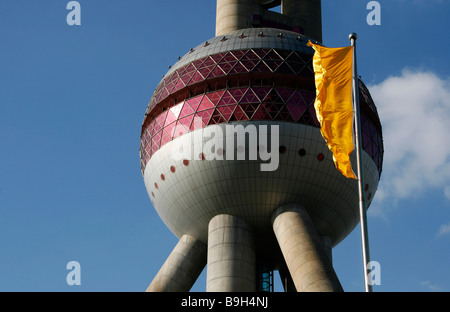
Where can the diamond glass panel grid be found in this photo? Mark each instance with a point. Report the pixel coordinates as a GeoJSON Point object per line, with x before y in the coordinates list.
{"type": "Point", "coordinates": [277, 104]}
{"type": "Point", "coordinates": [232, 62]}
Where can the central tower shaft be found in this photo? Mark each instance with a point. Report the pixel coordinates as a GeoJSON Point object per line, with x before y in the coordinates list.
{"type": "Point", "coordinates": [302, 16]}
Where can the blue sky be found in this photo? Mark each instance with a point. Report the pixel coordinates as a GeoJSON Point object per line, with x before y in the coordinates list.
{"type": "Point", "coordinates": [72, 100]}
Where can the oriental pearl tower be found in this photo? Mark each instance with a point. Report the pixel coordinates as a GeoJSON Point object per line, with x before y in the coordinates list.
{"type": "Point", "coordinates": [234, 162]}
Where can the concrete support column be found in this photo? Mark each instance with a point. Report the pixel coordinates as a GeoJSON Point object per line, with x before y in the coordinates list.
{"type": "Point", "coordinates": [303, 251]}
{"type": "Point", "coordinates": [182, 267]}
{"type": "Point", "coordinates": [231, 256]}
{"type": "Point", "coordinates": [234, 14]}
{"type": "Point", "coordinates": [307, 14]}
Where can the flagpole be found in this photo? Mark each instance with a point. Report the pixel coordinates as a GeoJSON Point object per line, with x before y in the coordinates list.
{"type": "Point", "coordinates": [362, 202]}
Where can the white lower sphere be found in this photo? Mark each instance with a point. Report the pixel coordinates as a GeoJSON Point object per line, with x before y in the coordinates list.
{"type": "Point", "coordinates": [188, 198]}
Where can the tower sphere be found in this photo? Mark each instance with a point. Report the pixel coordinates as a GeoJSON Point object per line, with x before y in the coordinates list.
{"type": "Point", "coordinates": [263, 78]}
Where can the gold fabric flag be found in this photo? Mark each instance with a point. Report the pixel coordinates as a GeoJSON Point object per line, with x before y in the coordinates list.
{"type": "Point", "coordinates": [333, 104]}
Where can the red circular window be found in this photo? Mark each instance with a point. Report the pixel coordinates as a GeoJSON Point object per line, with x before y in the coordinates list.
{"type": "Point", "coordinates": [172, 169]}
{"type": "Point", "coordinates": [320, 157]}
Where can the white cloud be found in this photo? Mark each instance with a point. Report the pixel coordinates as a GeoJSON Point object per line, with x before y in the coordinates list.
{"type": "Point", "coordinates": [447, 192]}
{"type": "Point", "coordinates": [414, 109]}
{"type": "Point", "coordinates": [443, 230]}
{"type": "Point", "coordinates": [430, 286]}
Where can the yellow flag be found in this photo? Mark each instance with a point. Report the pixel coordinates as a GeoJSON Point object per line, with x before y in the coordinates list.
{"type": "Point", "coordinates": [334, 109]}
